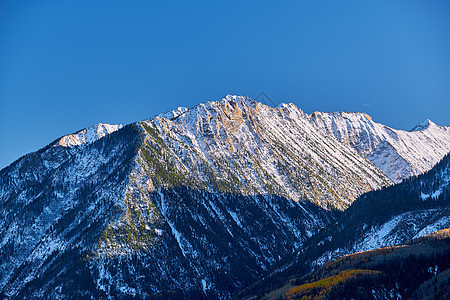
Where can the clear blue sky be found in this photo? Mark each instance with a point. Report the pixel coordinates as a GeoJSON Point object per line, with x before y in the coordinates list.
{"type": "Point", "coordinates": [65, 65]}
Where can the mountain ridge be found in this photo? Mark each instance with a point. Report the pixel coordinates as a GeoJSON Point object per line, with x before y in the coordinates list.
{"type": "Point", "coordinates": [398, 153]}
{"type": "Point", "coordinates": [409, 168]}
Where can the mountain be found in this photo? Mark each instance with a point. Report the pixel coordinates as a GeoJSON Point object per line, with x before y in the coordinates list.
{"type": "Point", "coordinates": [195, 203]}
{"type": "Point", "coordinates": [387, 217]}
{"type": "Point", "coordinates": [400, 154]}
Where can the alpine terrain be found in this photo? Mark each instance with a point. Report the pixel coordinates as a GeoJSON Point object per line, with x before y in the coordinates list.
{"type": "Point", "coordinates": [400, 154]}
{"type": "Point", "coordinates": [388, 217]}
{"type": "Point", "coordinates": [203, 202]}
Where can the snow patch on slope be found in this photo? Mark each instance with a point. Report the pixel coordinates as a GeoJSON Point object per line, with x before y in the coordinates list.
{"type": "Point", "coordinates": [440, 224]}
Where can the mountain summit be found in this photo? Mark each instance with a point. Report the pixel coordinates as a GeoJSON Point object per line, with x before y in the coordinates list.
{"type": "Point", "coordinates": [423, 125]}
{"type": "Point", "coordinates": [88, 135]}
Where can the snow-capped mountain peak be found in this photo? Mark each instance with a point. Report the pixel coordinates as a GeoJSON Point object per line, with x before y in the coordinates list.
{"type": "Point", "coordinates": [173, 113]}
{"type": "Point", "coordinates": [423, 125]}
{"type": "Point", "coordinates": [228, 100]}
{"type": "Point", "coordinates": [88, 135]}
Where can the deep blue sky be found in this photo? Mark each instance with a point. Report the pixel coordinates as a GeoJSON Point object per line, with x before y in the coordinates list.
{"type": "Point", "coordinates": [65, 65]}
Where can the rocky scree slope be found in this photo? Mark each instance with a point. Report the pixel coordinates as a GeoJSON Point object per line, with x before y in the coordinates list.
{"type": "Point", "coordinates": [400, 154]}
{"type": "Point", "coordinates": [195, 202]}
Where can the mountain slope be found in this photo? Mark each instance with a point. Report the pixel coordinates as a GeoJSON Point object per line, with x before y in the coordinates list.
{"type": "Point", "coordinates": [393, 215]}
{"type": "Point", "coordinates": [53, 203]}
{"type": "Point", "coordinates": [415, 207]}
{"type": "Point", "coordinates": [383, 273]}
{"type": "Point", "coordinates": [400, 154]}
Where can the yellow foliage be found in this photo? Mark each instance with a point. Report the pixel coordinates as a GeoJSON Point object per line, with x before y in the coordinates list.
{"type": "Point", "coordinates": [319, 289]}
